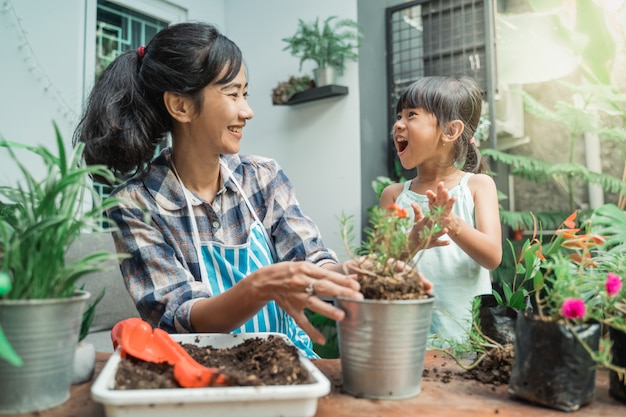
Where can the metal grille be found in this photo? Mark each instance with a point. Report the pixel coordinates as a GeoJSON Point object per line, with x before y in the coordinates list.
{"type": "Point", "coordinates": [120, 29]}
{"type": "Point", "coordinates": [434, 37]}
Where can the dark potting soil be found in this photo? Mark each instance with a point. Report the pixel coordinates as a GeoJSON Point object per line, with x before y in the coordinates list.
{"type": "Point", "coordinates": [256, 361]}
{"type": "Point", "coordinates": [494, 370]}
{"type": "Point", "coordinates": [399, 287]}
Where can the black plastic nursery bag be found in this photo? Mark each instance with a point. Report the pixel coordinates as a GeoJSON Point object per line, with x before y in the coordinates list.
{"type": "Point", "coordinates": [551, 367]}
{"type": "Point", "coordinates": [497, 322]}
{"type": "Point", "coordinates": [617, 388]}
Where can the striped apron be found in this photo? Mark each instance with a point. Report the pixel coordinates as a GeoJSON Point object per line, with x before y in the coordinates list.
{"type": "Point", "coordinates": [226, 265]}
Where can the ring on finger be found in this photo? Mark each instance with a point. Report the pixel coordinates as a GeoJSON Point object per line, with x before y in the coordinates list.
{"type": "Point", "coordinates": [310, 290]}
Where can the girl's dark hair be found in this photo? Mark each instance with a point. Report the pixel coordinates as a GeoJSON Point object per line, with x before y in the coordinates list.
{"type": "Point", "coordinates": [125, 118]}
{"type": "Point", "coordinates": [450, 98]}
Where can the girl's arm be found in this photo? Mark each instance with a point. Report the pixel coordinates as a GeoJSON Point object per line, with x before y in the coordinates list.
{"type": "Point", "coordinates": [389, 194]}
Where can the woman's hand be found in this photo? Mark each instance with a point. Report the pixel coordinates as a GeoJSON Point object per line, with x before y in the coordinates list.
{"type": "Point", "coordinates": [354, 266]}
{"type": "Point", "coordinates": [296, 286]}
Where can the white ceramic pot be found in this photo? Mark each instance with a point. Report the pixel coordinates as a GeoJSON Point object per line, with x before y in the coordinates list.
{"type": "Point", "coordinates": [84, 363]}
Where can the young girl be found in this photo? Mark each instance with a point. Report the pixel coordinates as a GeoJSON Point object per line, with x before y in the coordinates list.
{"type": "Point", "coordinates": [434, 132]}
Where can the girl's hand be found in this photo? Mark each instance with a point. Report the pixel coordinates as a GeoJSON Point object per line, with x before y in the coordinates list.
{"type": "Point", "coordinates": [441, 199]}
{"type": "Point", "coordinates": [450, 221]}
{"type": "Point", "coordinates": [418, 227]}
{"type": "Point", "coordinates": [296, 286]}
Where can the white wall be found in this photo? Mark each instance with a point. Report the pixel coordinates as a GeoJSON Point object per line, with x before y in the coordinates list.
{"type": "Point", "coordinates": [41, 75]}
{"type": "Point", "coordinates": [43, 45]}
{"type": "Point", "coordinates": [317, 143]}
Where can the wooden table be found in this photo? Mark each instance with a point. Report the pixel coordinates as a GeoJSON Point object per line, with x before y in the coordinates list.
{"type": "Point", "coordinates": [441, 396]}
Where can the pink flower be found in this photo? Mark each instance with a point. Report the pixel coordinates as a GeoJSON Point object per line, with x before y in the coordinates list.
{"type": "Point", "coordinates": [613, 283]}
{"type": "Point", "coordinates": [573, 308]}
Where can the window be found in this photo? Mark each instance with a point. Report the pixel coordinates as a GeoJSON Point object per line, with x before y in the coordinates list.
{"type": "Point", "coordinates": [119, 29]}
{"type": "Point", "coordinates": [437, 37]}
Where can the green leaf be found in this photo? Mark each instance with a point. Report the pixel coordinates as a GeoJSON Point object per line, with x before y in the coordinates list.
{"type": "Point", "coordinates": [498, 297]}
{"type": "Point", "coordinates": [506, 288]}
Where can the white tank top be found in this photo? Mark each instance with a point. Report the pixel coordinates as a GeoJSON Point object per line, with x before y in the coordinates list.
{"type": "Point", "coordinates": [457, 278]}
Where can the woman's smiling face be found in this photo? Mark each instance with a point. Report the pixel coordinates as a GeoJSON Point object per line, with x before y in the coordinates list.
{"type": "Point", "coordinates": [225, 111]}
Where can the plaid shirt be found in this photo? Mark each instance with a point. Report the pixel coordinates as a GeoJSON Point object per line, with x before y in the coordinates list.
{"type": "Point", "coordinates": [162, 273]}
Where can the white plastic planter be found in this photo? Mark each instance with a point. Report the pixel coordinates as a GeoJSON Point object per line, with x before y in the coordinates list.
{"type": "Point", "coordinates": [258, 401]}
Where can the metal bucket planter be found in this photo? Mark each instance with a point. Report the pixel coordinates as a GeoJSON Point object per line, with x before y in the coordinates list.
{"type": "Point", "coordinates": [382, 344]}
{"type": "Point", "coordinates": [44, 333]}
{"type": "Point", "coordinates": [551, 367]}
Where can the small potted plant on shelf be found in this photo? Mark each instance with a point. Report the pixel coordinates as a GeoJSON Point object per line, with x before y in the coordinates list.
{"type": "Point", "coordinates": [382, 339]}
{"type": "Point", "coordinates": [41, 309]}
{"type": "Point", "coordinates": [559, 342]}
{"type": "Point", "coordinates": [286, 89]}
{"type": "Point", "coordinates": [329, 46]}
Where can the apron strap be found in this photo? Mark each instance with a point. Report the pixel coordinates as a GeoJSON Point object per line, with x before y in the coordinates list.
{"type": "Point", "coordinates": [256, 217]}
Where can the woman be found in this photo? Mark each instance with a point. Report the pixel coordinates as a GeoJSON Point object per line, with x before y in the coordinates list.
{"type": "Point", "coordinates": [226, 246]}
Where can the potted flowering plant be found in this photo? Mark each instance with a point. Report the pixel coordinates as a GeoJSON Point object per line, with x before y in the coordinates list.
{"type": "Point", "coordinates": [559, 343]}
{"type": "Point", "coordinates": [382, 339]}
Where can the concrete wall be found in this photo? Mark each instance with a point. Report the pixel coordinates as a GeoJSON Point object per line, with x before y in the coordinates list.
{"type": "Point", "coordinates": [47, 71]}
{"type": "Point", "coordinates": [317, 143]}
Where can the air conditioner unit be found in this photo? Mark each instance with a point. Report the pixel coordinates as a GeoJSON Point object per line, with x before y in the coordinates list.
{"type": "Point", "coordinates": [509, 115]}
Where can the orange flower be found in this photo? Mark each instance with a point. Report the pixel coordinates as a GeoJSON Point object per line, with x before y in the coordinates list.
{"type": "Point", "coordinates": [540, 254]}
{"type": "Point", "coordinates": [569, 222]}
{"type": "Point", "coordinates": [400, 212]}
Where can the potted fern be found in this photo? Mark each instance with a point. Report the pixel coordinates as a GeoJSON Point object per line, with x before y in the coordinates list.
{"type": "Point", "coordinates": [329, 45]}
{"type": "Point", "coordinates": [41, 308]}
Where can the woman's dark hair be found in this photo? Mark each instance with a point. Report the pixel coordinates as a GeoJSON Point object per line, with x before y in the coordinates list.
{"type": "Point", "coordinates": [450, 98]}
{"type": "Point", "coordinates": [125, 118]}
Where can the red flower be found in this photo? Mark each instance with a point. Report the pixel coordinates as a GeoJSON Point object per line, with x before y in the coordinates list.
{"type": "Point", "coordinates": [573, 308]}
{"type": "Point", "coordinates": [613, 283]}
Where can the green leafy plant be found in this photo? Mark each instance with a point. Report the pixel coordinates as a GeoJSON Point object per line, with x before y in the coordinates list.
{"type": "Point", "coordinates": [489, 358]}
{"type": "Point", "coordinates": [329, 45]}
{"type": "Point", "coordinates": [40, 219]}
{"type": "Point", "coordinates": [89, 316]}
{"type": "Point", "coordinates": [578, 279]}
{"type": "Point", "coordinates": [589, 111]}
{"type": "Point", "coordinates": [393, 240]}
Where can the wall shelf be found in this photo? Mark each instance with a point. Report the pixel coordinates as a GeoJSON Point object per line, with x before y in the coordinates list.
{"type": "Point", "coordinates": [317, 94]}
